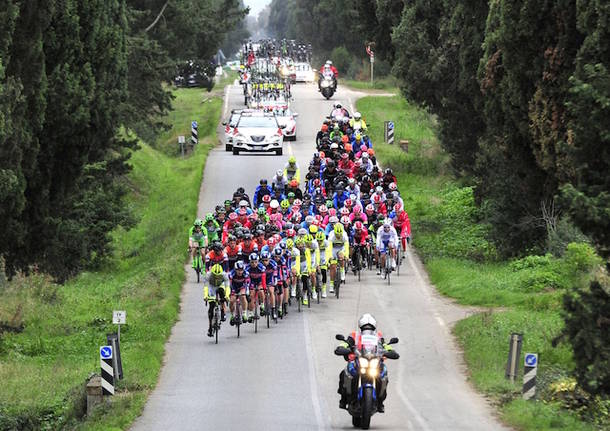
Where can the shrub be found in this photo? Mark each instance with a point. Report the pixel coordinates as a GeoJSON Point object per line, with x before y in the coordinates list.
{"type": "Point", "coordinates": [538, 280]}
{"type": "Point", "coordinates": [580, 258]}
{"type": "Point", "coordinates": [341, 59]}
{"type": "Point", "coordinates": [532, 261]}
{"type": "Point", "coordinates": [587, 328]}
{"type": "Point", "coordinates": [563, 233]}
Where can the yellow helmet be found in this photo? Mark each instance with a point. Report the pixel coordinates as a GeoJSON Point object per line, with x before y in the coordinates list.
{"type": "Point", "coordinates": [217, 269]}
{"type": "Point", "coordinates": [289, 243]}
{"type": "Point", "coordinates": [338, 229]}
{"type": "Point", "coordinates": [313, 229]}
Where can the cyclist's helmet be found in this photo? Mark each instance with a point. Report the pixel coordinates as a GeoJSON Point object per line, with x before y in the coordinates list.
{"type": "Point", "coordinates": [217, 246]}
{"type": "Point", "coordinates": [209, 217]}
{"type": "Point", "coordinates": [358, 225]}
{"type": "Point", "coordinates": [198, 223]}
{"type": "Point", "coordinates": [320, 236]}
{"type": "Point", "coordinates": [338, 229]}
{"type": "Point", "coordinates": [392, 186]}
{"type": "Point", "coordinates": [309, 219]}
{"type": "Point", "coordinates": [297, 202]}
{"type": "Point", "coordinates": [313, 228]}
{"type": "Point", "coordinates": [333, 219]}
{"type": "Point", "coordinates": [261, 211]}
{"type": "Point", "coordinates": [388, 171]}
{"type": "Point", "coordinates": [282, 245]}
{"type": "Point", "coordinates": [349, 203]}
{"type": "Point", "coordinates": [367, 322]}
{"type": "Point", "coordinates": [285, 204]}
{"type": "Point", "coordinates": [357, 209]}
{"type": "Point", "coordinates": [290, 233]}
{"type": "Point", "coordinates": [217, 269]}
{"type": "Point", "coordinates": [357, 116]}
{"type": "Point", "coordinates": [267, 198]}
{"type": "Point", "coordinates": [253, 257]}
{"type": "Point", "coordinates": [289, 243]}
{"type": "Point", "coordinates": [277, 251]}
{"type": "Point", "coordinates": [370, 208]}
{"type": "Point", "coordinates": [376, 198]}
{"type": "Point", "coordinates": [323, 209]}
{"type": "Point", "coordinates": [291, 195]}
{"type": "Point", "coordinates": [299, 242]}
{"type": "Point", "coordinates": [302, 231]}
{"type": "Point", "coordinates": [263, 182]}
{"type": "Point", "coordinates": [387, 223]}
{"type": "Point", "coordinates": [344, 211]}
{"type": "Point", "coordinates": [345, 220]}
{"type": "Point", "coordinates": [265, 255]}
{"type": "Point", "coordinates": [239, 265]}
{"type": "Point", "coordinates": [398, 208]}
{"type": "Point", "coordinates": [232, 238]}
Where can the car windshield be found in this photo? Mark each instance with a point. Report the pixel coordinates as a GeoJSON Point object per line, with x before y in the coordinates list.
{"type": "Point", "coordinates": [265, 122]}
{"type": "Point", "coordinates": [303, 67]}
{"type": "Point", "coordinates": [234, 118]}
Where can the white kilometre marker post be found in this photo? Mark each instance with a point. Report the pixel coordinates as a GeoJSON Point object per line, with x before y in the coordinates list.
{"type": "Point", "coordinates": [119, 317]}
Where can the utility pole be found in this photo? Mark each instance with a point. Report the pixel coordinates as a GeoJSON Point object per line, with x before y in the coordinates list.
{"type": "Point", "coordinates": [369, 51]}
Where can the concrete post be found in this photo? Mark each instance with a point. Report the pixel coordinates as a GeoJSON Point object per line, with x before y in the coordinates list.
{"type": "Point", "coordinates": [94, 393]}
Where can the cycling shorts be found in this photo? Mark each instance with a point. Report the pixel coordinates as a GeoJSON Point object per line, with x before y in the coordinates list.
{"type": "Point", "coordinates": [385, 245]}
{"type": "Point", "coordinates": [213, 290]}
{"type": "Point", "coordinates": [336, 251]}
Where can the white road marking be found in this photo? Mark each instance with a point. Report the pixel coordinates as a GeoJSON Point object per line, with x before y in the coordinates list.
{"type": "Point", "coordinates": [313, 382]}
{"type": "Point", "coordinates": [226, 101]}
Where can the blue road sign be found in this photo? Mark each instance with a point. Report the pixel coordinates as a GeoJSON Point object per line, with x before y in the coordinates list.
{"type": "Point", "coordinates": [106, 352]}
{"type": "Point", "coordinates": [531, 359]}
{"type": "Point", "coordinates": [194, 124]}
{"type": "Point", "coordinates": [391, 125]}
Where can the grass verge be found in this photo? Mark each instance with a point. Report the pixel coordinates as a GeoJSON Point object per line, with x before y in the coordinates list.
{"type": "Point", "coordinates": [45, 363]}
{"type": "Point", "coordinates": [385, 83]}
{"type": "Point", "coordinates": [522, 296]}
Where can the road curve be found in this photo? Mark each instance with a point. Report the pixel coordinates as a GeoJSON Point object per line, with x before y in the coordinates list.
{"type": "Point", "coordinates": [285, 377]}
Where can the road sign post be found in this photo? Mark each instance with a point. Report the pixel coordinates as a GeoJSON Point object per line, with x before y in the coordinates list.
{"type": "Point", "coordinates": [107, 370]}
{"type": "Point", "coordinates": [514, 353]}
{"type": "Point", "coordinates": [181, 143]}
{"type": "Point", "coordinates": [530, 366]}
{"type": "Point", "coordinates": [119, 317]}
{"type": "Point", "coordinates": [388, 134]}
{"type": "Point", "coordinates": [194, 133]}
{"type": "Point", "coordinates": [371, 54]}
{"type": "Point", "coordinates": [117, 365]}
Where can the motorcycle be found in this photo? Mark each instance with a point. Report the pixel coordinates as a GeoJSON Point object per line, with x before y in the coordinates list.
{"type": "Point", "coordinates": [368, 368]}
{"type": "Point", "coordinates": [328, 86]}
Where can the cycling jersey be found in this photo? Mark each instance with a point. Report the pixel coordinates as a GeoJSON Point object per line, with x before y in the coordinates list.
{"type": "Point", "coordinates": [339, 243]}
{"type": "Point", "coordinates": [360, 237]}
{"type": "Point", "coordinates": [213, 258]}
{"type": "Point", "coordinates": [325, 253]}
{"type": "Point", "coordinates": [246, 249]}
{"type": "Point", "coordinates": [213, 231]}
{"type": "Point", "coordinates": [384, 239]}
{"type": "Point", "coordinates": [239, 282]}
{"type": "Point", "coordinates": [303, 262]}
{"type": "Point", "coordinates": [271, 272]}
{"type": "Point", "coordinates": [257, 275]}
{"type": "Point", "coordinates": [216, 284]}
{"type": "Point", "coordinates": [199, 237]}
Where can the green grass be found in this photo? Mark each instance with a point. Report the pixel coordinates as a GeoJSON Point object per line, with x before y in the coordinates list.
{"type": "Point", "coordinates": [522, 296]}
{"type": "Point", "coordinates": [44, 368]}
{"type": "Point", "coordinates": [387, 83]}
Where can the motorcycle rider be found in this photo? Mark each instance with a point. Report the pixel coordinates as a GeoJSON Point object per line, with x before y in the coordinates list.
{"type": "Point", "coordinates": [348, 382]}
{"type": "Point", "coordinates": [328, 70]}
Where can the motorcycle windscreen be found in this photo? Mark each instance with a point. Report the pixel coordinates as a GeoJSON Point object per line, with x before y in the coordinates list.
{"type": "Point", "coordinates": [369, 344]}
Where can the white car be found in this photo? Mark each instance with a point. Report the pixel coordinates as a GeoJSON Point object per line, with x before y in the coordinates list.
{"type": "Point", "coordinates": [288, 118]}
{"type": "Point", "coordinates": [258, 132]}
{"type": "Point", "coordinates": [304, 72]}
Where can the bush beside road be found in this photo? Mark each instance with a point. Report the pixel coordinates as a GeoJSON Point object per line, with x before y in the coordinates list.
{"type": "Point", "coordinates": [520, 296]}
{"type": "Point", "coordinates": [44, 367]}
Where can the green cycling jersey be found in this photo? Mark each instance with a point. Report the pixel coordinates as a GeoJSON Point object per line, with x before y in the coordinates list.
{"type": "Point", "coordinates": [200, 236]}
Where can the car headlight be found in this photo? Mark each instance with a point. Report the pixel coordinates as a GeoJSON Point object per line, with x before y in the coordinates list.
{"type": "Point", "coordinates": [239, 138]}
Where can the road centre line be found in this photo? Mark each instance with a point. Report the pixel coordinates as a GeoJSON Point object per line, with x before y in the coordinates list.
{"type": "Point", "coordinates": [313, 382]}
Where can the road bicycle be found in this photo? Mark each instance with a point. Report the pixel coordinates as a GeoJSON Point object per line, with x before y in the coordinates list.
{"type": "Point", "coordinates": [197, 260]}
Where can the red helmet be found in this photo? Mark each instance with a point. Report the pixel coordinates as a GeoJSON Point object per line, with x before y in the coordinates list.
{"type": "Point", "coordinates": [357, 209]}
{"type": "Point", "coordinates": [290, 233]}
{"type": "Point", "coordinates": [348, 203]}
{"type": "Point", "coordinates": [325, 127]}
{"type": "Point", "coordinates": [294, 183]}
{"type": "Point", "coordinates": [398, 208]}
{"type": "Point", "coordinates": [232, 216]}
{"type": "Point", "coordinates": [318, 218]}
{"type": "Point", "coordinates": [344, 156]}
{"type": "Point", "coordinates": [277, 237]}
{"type": "Point", "coordinates": [344, 139]}
{"type": "Point", "coordinates": [376, 198]}
{"type": "Point", "coordinates": [332, 212]}
{"type": "Point", "coordinates": [344, 211]}
{"type": "Point", "coordinates": [271, 242]}
{"type": "Point", "coordinates": [345, 220]}
{"type": "Point", "coordinates": [297, 203]}
{"type": "Point", "coordinates": [358, 225]}
{"type": "Point", "coordinates": [370, 208]}
{"type": "Point", "coordinates": [323, 209]}
{"type": "Point", "coordinates": [392, 186]}
{"type": "Point", "coordinates": [317, 182]}
{"type": "Point", "coordinates": [363, 148]}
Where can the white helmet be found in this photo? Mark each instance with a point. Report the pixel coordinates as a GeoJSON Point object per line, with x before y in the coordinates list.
{"type": "Point", "coordinates": [367, 322]}
{"type": "Point", "coordinates": [279, 173]}
{"type": "Point", "coordinates": [243, 203]}
{"type": "Point", "coordinates": [274, 204]}
{"type": "Point", "coordinates": [357, 116]}
{"type": "Point", "coordinates": [329, 63]}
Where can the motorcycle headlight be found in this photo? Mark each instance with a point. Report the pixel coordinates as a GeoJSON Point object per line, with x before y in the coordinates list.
{"type": "Point", "coordinates": [372, 372]}
{"type": "Point", "coordinates": [325, 84]}
{"type": "Point", "coordinates": [363, 364]}
{"type": "Point", "coordinates": [374, 363]}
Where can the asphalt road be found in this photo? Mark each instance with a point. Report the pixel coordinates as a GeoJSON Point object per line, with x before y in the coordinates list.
{"type": "Point", "coordinates": [285, 377]}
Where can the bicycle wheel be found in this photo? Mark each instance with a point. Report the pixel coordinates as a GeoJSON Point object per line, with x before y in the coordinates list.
{"type": "Point", "coordinates": [238, 312]}
{"type": "Point", "coordinates": [299, 294]}
{"type": "Point", "coordinates": [216, 322]}
{"type": "Point", "coordinates": [337, 282]}
{"type": "Point", "coordinates": [256, 311]}
{"type": "Point", "coordinates": [388, 267]}
{"type": "Point", "coordinates": [267, 308]}
{"type": "Point", "coordinates": [398, 259]}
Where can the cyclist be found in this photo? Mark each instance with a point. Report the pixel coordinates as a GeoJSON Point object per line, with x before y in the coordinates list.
{"type": "Point", "coordinates": [360, 236]}
{"type": "Point", "coordinates": [198, 234]}
{"type": "Point", "coordinates": [339, 241]}
{"type": "Point", "coordinates": [402, 224]}
{"type": "Point", "coordinates": [325, 255]}
{"type": "Point", "coordinates": [304, 267]}
{"type": "Point", "coordinates": [216, 289]}
{"type": "Point", "coordinates": [247, 247]}
{"type": "Point", "coordinates": [282, 278]}
{"type": "Point", "coordinates": [291, 170]}
{"type": "Point", "coordinates": [271, 277]}
{"type": "Point", "coordinates": [258, 283]}
{"type": "Point", "coordinates": [291, 254]}
{"type": "Point", "coordinates": [262, 190]}
{"type": "Point", "coordinates": [314, 250]}
{"type": "Point", "coordinates": [232, 250]}
{"type": "Point", "coordinates": [240, 281]}
{"type": "Point", "coordinates": [387, 240]}
{"type": "Point", "coordinates": [216, 256]}
{"type": "Point", "coordinates": [357, 123]}
{"type": "Point", "coordinates": [212, 227]}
